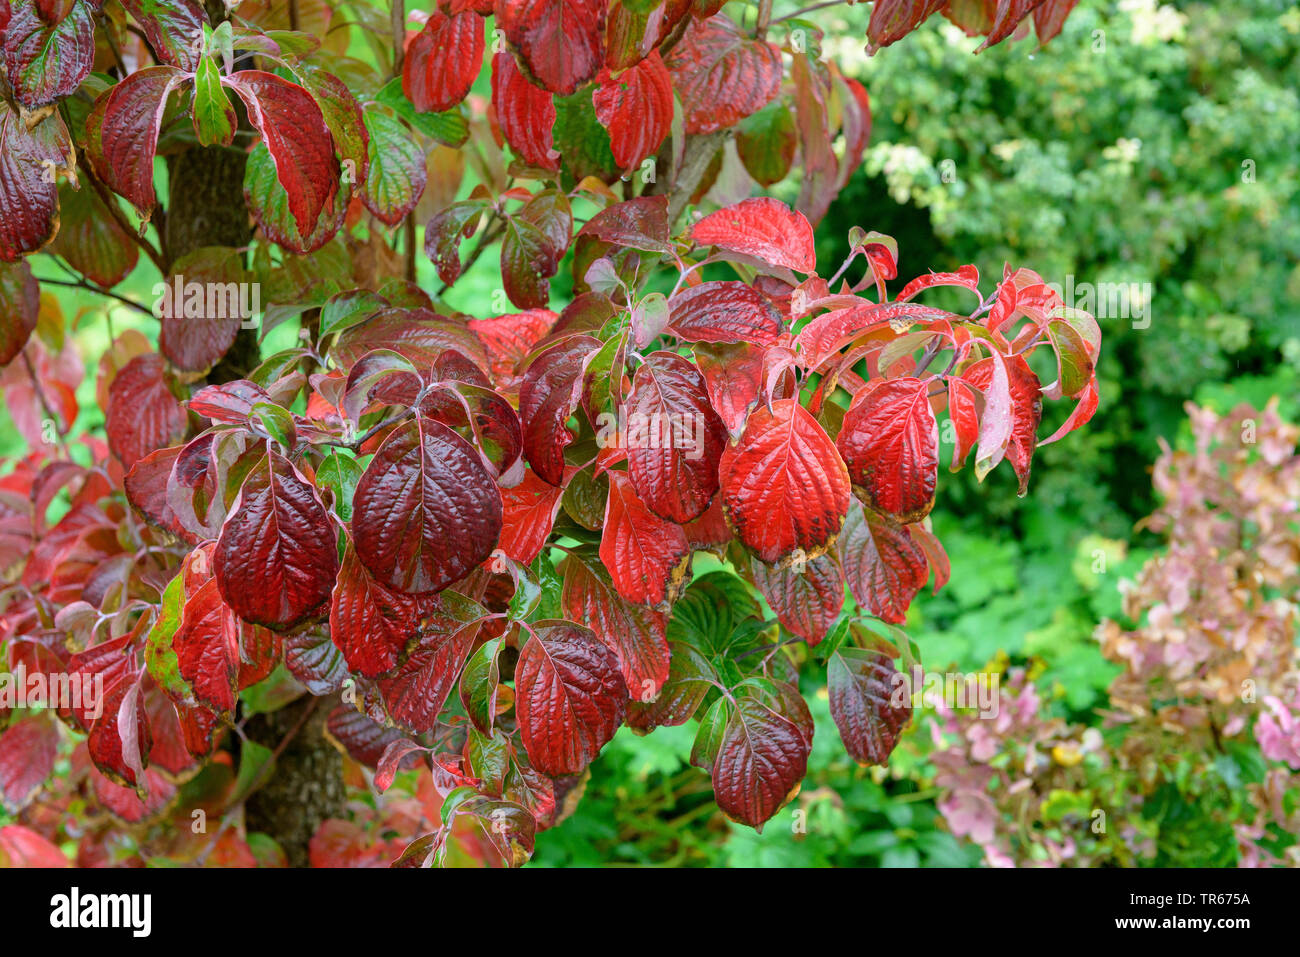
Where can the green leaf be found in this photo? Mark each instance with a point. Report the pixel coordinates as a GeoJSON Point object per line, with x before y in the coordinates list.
{"type": "Point", "coordinates": [214, 115]}
{"type": "Point", "coordinates": [449, 127]}
{"type": "Point", "coordinates": [159, 658]}
{"type": "Point", "coordinates": [340, 473]}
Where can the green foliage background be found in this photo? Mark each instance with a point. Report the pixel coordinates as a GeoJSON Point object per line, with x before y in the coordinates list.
{"type": "Point", "coordinates": [1122, 152]}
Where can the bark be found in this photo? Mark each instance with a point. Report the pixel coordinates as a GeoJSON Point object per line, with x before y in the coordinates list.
{"type": "Point", "coordinates": [207, 208]}
{"type": "Point", "coordinates": [306, 787]}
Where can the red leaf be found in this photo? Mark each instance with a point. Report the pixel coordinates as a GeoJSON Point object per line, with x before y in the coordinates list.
{"type": "Point", "coordinates": [647, 557]}
{"type": "Point", "coordinates": [635, 633]}
{"type": "Point", "coordinates": [301, 146]}
{"type": "Point", "coordinates": [806, 601]}
{"type": "Point", "coordinates": [561, 41]}
{"type": "Point", "coordinates": [229, 402]}
{"type": "Point", "coordinates": [674, 438]}
{"type": "Point", "coordinates": [549, 395]}
{"type": "Point", "coordinates": [122, 132]}
{"type": "Point", "coordinates": [443, 60]}
{"type": "Point", "coordinates": [415, 693]}
{"type": "Point", "coordinates": [964, 415]}
{"type": "Point", "coordinates": [173, 29]}
{"type": "Point", "coordinates": [276, 558]}
{"type": "Point", "coordinates": [23, 847]}
{"type": "Point", "coordinates": [637, 109]}
{"type": "Point", "coordinates": [529, 511]}
{"type": "Point", "coordinates": [1049, 18]}
{"type": "Point", "coordinates": [143, 415]}
{"type": "Point", "coordinates": [891, 20]}
{"type": "Point", "coordinates": [91, 240]}
{"type": "Point", "coordinates": [28, 748]}
{"type": "Point", "coordinates": [721, 75]}
{"type": "Point", "coordinates": [784, 486]}
{"type": "Point", "coordinates": [725, 312]}
{"type": "Point", "coordinates": [20, 306]}
{"type": "Point", "coordinates": [828, 333]}
{"type": "Point", "coordinates": [372, 625]}
{"type": "Point", "coordinates": [570, 697]}
{"type": "Point", "coordinates": [207, 647]}
{"type": "Point", "coordinates": [508, 339]}
{"type": "Point", "coordinates": [48, 61]}
{"type": "Point", "coordinates": [890, 441]}
{"type": "Point", "coordinates": [868, 704]}
{"type": "Point", "coordinates": [425, 511]}
{"type": "Point", "coordinates": [883, 564]}
{"type": "Point", "coordinates": [525, 113]}
{"type": "Point", "coordinates": [640, 223]}
{"type": "Point", "coordinates": [1082, 414]}
{"type": "Point", "coordinates": [29, 193]}
{"type": "Point", "coordinates": [1013, 408]}
{"type": "Point", "coordinates": [762, 756]}
{"type": "Point", "coordinates": [762, 228]}
{"type": "Point", "coordinates": [967, 277]}
{"type": "Point", "coordinates": [733, 375]}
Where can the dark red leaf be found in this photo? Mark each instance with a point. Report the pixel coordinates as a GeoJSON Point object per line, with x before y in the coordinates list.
{"type": "Point", "coordinates": [425, 511]}
{"type": "Point", "coordinates": [143, 415]}
{"type": "Point", "coordinates": [762, 755]}
{"type": "Point", "coordinates": [884, 565]}
{"type": "Point", "coordinates": [277, 555]}
{"type": "Point", "coordinates": [443, 60]}
{"type": "Point", "coordinates": [29, 193]}
{"type": "Point", "coordinates": [372, 625]}
{"type": "Point", "coordinates": [1011, 417]}
{"type": "Point", "coordinates": [868, 703]}
{"type": "Point", "coordinates": [415, 693]}
{"type": "Point", "coordinates": [674, 438]}
{"type": "Point", "coordinates": [122, 132]}
{"type": "Point", "coordinates": [20, 306]}
{"type": "Point", "coordinates": [560, 41]}
{"type": "Point", "coordinates": [806, 600]}
{"type": "Point", "coordinates": [28, 748]}
{"type": "Point", "coordinates": [640, 223]}
{"type": "Point", "coordinates": [570, 697]}
{"type": "Point", "coordinates": [48, 61]}
{"type": "Point", "coordinates": [549, 395]}
{"type": "Point", "coordinates": [725, 311]}
{"type": "Point", "coordinates": [647, 557]}
{"type": "Point", "coordinates": [172, 27]}
{"type": "Point", "coordinates": [733, 374]}
{"type": "Point", "coordinates": [721, 75]}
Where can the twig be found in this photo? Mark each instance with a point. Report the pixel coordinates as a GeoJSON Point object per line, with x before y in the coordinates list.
{"type": "Point", "coordinates": [815, 6]}
{"type": "Point", "coordinates": [45, 403]}
{"type": "Point", "coordinates": [96, 289]}
{"type": "Point", "coordinates": [116, 211]}
{"type": "Point", "coordinates": [485, 239]}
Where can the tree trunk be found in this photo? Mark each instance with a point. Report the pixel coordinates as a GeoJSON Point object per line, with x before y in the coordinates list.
{"type": "Point", "coordinates": [207, 208]}
{"type": "Point", "coordinates": [306, 787]}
